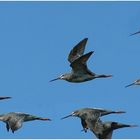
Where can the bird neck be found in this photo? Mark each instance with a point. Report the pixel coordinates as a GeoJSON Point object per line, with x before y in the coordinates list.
{"type": "Point", "coordinates": [67, 76]}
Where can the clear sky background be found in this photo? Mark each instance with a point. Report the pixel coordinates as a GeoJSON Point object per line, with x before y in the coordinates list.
{"type": "Point", "coordinates": [35, 40]}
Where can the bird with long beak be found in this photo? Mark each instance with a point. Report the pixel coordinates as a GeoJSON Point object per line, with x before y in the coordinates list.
{"type": "Point", "coordinates": [136, 82]}
{"type": "Point", "coordinates": [4, 97]}
{"type": "Point", "coordinates": [80, 71]}
{"type": "Point", "coordinates": [89, 116]}
{"type": "Point", "coordinates": [14, 120]}
{"type": "Point", "coordinates": [104, 130]}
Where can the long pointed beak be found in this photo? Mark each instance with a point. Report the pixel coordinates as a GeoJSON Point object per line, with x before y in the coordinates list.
{"type": "Point", "coordinates": [119, 112]}
{"type": "Point", "coordinates": [135, 33]}
{"type": "Point", "coordinates": [55, 79]}
{"type": "Point", "coordinates": [130, 85]}
{"type": "Point", "coordinates": [67, 116]}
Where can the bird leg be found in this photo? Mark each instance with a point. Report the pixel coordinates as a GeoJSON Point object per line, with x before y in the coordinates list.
{"type": "Point", "coordinates": [85, 130]}
{"type": "Point", "coordinates": [7, 126]}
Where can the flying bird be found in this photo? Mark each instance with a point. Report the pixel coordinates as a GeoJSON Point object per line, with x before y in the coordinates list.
{"type": "Point", "coordinates": [78, 63]}
{"type": "Point", "coordinates": [136, 82]}
{"type": "Point", "coordinates": [104, 130]}
{"type": "Point", "coordinates": [89, 116]}
{"type": "Point", "coordinates": [4, 97]}
{"type": "Point", "coordinates": [14, 120]}
{"type": "Point", "coordinates": [135, 33]}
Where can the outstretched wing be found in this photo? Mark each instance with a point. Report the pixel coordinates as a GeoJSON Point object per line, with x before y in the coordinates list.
{"type": "Point", "coordinates": [77, 51]}
{"type": "Point", "coordinates": [79, 65]}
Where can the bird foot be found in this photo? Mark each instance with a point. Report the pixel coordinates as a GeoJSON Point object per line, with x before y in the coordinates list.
{"type": "Point", "coordinates": [85, 130]}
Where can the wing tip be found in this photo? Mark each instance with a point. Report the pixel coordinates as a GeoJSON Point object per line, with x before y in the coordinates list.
{"type": "Point", "coordinates": [86, 38]}
{"type": "Point", "coordinates": [91, 52]}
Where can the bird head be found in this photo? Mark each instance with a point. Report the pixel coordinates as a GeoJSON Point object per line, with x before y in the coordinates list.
{"type": "Point", "coordinates": [75, 114]}
{"type": "Point", "coordinates": [61, 77]}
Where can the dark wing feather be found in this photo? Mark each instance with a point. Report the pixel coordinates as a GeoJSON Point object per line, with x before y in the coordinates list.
{"type": "Point", "coordinates": [79, 65]}
{"type": "Point", "coordinates": [77, 51]}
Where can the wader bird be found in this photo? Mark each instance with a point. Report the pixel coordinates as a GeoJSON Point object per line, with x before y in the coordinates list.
{"type": "Point", "coordinates": [89, 116]}
{"type": "Point", "coordinates": [135, 33]}
{"type": "Point", "coordinates": [136, 82]}
{"type": "Point", "coordinates": [14, 120]}
{"type": "Point", "coordinates": [104, 130]}
{"type": "Point", "coordinates": [80, 71]}
{"type": "Point", "coordinates": [4, 97]}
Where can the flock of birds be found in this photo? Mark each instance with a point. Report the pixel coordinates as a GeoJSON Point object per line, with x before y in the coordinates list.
{"type": "Point", "coordinates": [90, 117]}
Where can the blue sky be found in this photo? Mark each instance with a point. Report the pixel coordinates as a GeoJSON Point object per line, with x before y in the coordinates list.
{"type": "Point", "coordinates": [35, 40]}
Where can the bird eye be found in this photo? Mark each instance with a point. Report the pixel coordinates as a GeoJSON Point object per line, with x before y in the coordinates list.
{"type": "Point", "coordinates": [73, 113]}
{"type": "Point", "coordinates": [114, 123]}
{"type": "Point", "coordinates": [97, 115]}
